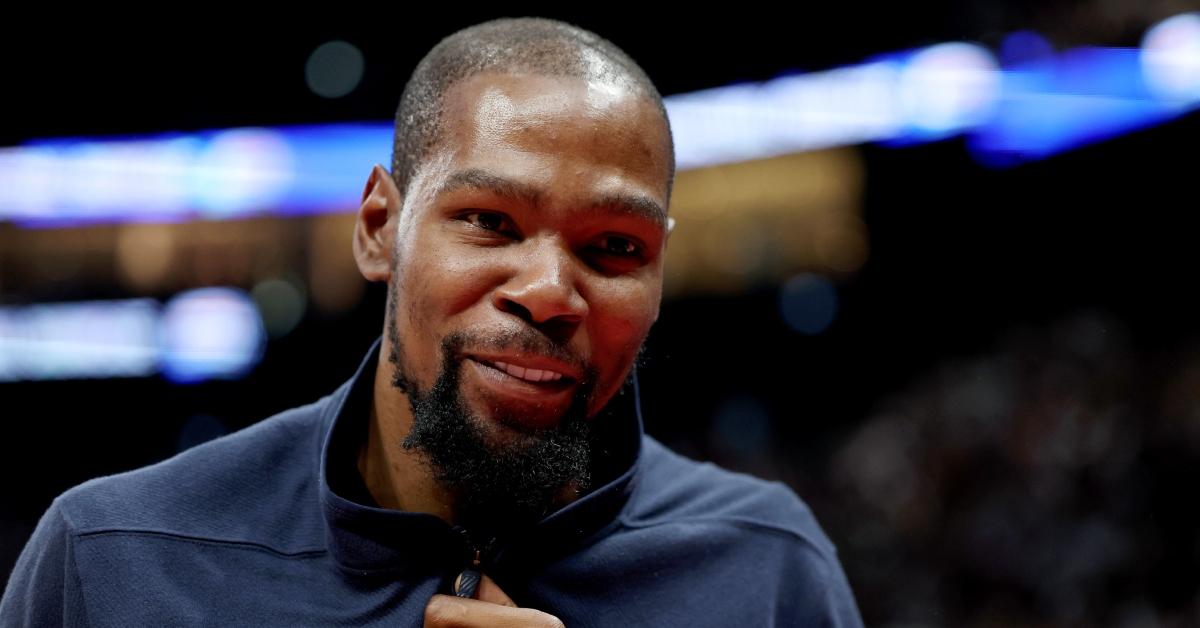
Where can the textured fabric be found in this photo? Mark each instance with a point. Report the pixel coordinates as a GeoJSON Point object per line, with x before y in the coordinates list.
{"type": "Point", "coordinates": [271, 526]}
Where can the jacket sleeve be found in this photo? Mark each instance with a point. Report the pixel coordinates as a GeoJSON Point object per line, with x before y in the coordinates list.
{"type": "Point", "coordinates": [813, 588]}
{"type": "Point", "coordinates": [836, 608]}
{"type": "Point", "coordinates": [43, 588]}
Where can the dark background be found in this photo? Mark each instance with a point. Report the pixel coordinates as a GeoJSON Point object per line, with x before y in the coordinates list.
{"type": "Point", "coordinates": [1048, 307]}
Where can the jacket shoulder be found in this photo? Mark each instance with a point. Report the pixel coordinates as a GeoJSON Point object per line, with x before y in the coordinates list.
{"type": "Point", "coordinates": [673, 488]}
{"type": "Point", "coordinates": [250, 486]}
{"type": "Point", "coordinates": [758, 541]}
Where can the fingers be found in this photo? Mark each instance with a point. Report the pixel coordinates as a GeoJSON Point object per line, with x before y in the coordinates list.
{"type": "Point", "coordinates": [489, 591]}
{"type": "Point", "coordinates": [446, 611]}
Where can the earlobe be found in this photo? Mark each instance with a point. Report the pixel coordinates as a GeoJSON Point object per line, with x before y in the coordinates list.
{"type": "Point", "coordinates": [372, 235]}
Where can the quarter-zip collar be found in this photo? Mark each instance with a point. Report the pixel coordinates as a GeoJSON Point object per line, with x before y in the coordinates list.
{"type": "Point", "coordinates": [365, 539]}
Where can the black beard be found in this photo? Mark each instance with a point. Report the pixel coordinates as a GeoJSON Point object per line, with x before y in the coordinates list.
{"type": "Point", "coordinates": [499, 484]}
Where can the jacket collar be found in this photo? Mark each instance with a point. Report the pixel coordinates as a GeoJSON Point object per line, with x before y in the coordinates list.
{"type": "Point", "coordinates": [364, 538]}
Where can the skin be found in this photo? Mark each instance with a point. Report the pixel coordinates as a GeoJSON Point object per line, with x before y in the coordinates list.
{"type": "Point", "coordinates": [466, 254]}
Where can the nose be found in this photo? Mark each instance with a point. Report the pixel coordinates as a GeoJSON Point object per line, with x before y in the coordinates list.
{"type": "Point", "coordinates": [543, 289]}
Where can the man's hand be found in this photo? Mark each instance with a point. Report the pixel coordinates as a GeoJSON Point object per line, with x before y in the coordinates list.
{"type": "Point", "coordinates": [492, 608]}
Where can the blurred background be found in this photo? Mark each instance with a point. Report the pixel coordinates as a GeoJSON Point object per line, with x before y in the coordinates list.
{"type": "Point", "coordinates": [934, 268]}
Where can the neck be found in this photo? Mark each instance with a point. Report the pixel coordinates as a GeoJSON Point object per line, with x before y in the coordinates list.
{"type": "Point", "coordinates": [396, 477]}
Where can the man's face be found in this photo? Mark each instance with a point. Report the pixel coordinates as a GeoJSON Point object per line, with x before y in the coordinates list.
{"type": "Point", "coordinates": [530, 247]}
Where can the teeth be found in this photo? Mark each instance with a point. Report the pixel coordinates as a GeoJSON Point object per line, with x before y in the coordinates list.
{"type": "Point", "coordinates": [529, 375]}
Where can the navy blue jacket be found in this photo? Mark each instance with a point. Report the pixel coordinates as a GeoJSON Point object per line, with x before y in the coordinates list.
{"type": "Point", "coordinates": [272, 526]}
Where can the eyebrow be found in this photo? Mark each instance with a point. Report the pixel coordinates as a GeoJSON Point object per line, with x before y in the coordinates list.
{"type": "Point", "coordinates": [636, 205]}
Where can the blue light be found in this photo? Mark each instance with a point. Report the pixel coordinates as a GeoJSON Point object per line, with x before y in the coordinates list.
{"type": "Point", "coordinates": [1034, 104]}
{"type": "Point", "coordinates": [214, 175]}
{"type": "Point", "coordinates": [1078, 97]}
{"type": "Point", "coordinates": [1024, 47]}
{"type": "Point", "coordinates": [946, 89]}
{"type": "Point", "coordinates": [1171, 59]}
{"type": "Point", "coordinates": [202, 334]}
{"type": "Point", "coordinates": [787, 115]}
{"type": "Point", "coordinates": [210, 333]}
{"type": "Point", "coordinates": [79, 340]}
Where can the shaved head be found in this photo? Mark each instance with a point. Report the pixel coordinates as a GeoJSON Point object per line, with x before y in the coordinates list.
{"type": "Point", "coordinates": [513, 46]}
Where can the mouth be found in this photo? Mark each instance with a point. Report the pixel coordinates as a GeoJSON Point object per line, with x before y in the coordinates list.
{"type": "Point", "coordinates": [520, 379]}
{"type": "Point", "coordinates": [543, 395]}
{"type": "Point", "coordinates": [526, 374]}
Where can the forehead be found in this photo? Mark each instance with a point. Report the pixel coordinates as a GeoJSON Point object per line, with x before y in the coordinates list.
{"type": "Point", "coordinates": [565, 133]}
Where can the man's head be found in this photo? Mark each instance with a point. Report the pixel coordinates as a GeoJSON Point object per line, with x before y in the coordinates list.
{"type": "Point", "coordinates": [522, 238]}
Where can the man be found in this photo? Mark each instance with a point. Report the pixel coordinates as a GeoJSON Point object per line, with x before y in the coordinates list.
{"type": "Point", "coordinates": [486, 465]}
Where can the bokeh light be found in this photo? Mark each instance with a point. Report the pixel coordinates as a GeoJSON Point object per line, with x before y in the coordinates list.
{"type": "Point", "coordinates": [949, 87]}
{"type": "Point", "coordinates": [808, 303]}
{"type": "Point", "coordinates": [741, 427]}
{"type": "Point", "coordinates": [282, 303]}
{"type": "Point", "coordinates": [334, 69]}
{"type": "Point", "coordinates": [1171, 58]}
{"type": "Point", "coordinates": [210, 333]}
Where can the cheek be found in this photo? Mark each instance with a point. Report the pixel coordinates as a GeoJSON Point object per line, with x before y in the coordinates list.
{"type": "Point", "coordinates": [628, 314]}
{"type": "Point", "coordinates": [457, 276]}
{"type": "Point", "coordinates": [623, 319]}
{"type": "Point", "coordinates": [416, 323]}
{"type": "Point", "coordinates": [434, 291]}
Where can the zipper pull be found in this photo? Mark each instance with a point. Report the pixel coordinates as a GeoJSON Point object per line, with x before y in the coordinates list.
{"type": "Point", "coordinates": [468, 581]}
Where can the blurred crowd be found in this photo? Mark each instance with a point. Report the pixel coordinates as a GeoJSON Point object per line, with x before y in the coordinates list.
{"type": "Point", "coordinates": [1046, 483]}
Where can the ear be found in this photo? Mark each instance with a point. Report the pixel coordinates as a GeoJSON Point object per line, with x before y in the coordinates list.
{"type": "Point", "coordinates": [666, 242]}
{"type": "Point", "coordinates": [373, 230]}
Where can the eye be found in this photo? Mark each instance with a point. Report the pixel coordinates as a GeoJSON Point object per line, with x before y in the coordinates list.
{"type": "Point", "coordinates": [620, 247]}
{"type": "Point", "coordinates": [488, 221]}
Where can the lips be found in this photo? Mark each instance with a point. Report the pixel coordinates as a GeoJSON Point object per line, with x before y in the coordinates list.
{"type": "Point", "coordinates": [522, 381]}
{"type": "Point", "coordinates": [525, 391]}
{"type": "Point", "coordinates": [530, 404]}
{"type": "Point", "coordinates": [528, 367]}
{"type": "Point", "coordinates": [528, 374]}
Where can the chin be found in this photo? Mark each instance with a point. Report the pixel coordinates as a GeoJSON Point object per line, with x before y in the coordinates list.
{"type": "Point", "coordinates": [513, 426]}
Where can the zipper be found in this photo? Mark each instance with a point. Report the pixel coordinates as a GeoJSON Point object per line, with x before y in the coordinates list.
{"type": "Point", "coordinates": [468, 580]}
